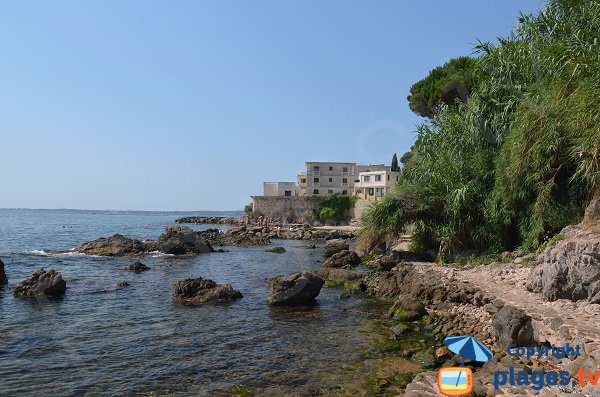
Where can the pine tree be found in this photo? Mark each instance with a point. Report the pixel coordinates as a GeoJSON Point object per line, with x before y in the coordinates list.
{"type": "Point", "coordinates": [395, 166]}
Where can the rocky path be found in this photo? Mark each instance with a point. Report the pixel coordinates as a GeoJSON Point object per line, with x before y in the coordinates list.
{"type": "Point", "coordinates": [558, 322]}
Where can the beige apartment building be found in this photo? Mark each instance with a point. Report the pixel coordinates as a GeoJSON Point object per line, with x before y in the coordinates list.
{"type": "Point", "coordinates": [324, 177]}
{"type": "Point", "coordinates": [373, 185]}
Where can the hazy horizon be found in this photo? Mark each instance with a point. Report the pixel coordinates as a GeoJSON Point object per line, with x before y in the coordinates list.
{"type": "Point", "coordinates": [159, 106]}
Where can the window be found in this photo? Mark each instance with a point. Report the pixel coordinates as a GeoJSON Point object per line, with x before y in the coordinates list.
{"type": "Point", "coordinates": [330, 168]}
{"type": "Point", "coordinates": [303, 180]}
{"type": "Point", "coordinates": [316, 191]}
{"type": "Point", "coordinates": [396, 179]}
{"type": "Point", "coordinates": [344, 192]}
{"type": "Point", "coordinates": [330, 191]}
{"type": "Point", "coordinates": [356, 180]}
{"type": "Point", "coordinates": [388, 177]}
{"type": "Point", "coordinates": [344, 180]}
{"type": "Point", "coordinates": [330, 179]}
{"type": "Point", "coordinates": [316, 180]}
{"type": "Point", "coordinates": [316, 168]}
{"type": "Point", "coordinates": [377, 178]}
{"type": "Point", "coordinates": [371, 192]}
{"type": "Point", "coordinates": [367, 178]}
{"type": "Point", "coordinates": [288, 193]}
{"type": "Point", "coordinates": [344, 169]}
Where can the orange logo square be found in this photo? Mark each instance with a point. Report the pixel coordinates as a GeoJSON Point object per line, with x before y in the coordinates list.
{"type": "Point", "coordinates": [455, 381]}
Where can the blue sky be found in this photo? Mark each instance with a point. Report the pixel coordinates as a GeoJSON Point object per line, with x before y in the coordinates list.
{"type": "Point", "coordinates": [191, 105]}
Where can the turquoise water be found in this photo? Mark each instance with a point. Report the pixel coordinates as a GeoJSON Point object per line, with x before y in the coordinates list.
{"type": "Point", "coordinates": [100, 340]}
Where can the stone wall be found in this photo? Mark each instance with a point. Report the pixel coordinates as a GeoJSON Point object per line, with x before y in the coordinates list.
{"type": "Point", "coordinates": [359, 209]}
{"type": "Point", "coordinates": [295, 209]}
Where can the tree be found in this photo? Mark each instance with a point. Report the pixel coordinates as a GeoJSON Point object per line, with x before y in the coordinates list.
{"type": "Point", "coordinates": [449, 84]}
{"type": "Point", "coordinates": [395, 166]}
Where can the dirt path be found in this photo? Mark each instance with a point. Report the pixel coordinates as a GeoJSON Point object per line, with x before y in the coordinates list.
{"type": "Point", "coordinates": [560, 321]}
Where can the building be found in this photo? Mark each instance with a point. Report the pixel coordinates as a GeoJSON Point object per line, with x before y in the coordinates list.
{"type": "Point", "coordinates": [280, 189]}
{"type": "Point", "coordinates": [322, 178]}
{"type": "Point", "coordinates": [375, 184]}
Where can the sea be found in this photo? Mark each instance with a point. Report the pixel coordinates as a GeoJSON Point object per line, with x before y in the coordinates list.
{"type": "Point", "coordinates": [105, 340]}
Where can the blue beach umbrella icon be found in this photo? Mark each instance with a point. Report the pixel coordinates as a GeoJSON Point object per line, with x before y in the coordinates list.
{"type": "Point", "coordinates": [468, 347]}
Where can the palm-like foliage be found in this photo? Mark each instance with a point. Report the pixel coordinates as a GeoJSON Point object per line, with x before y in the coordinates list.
{"type": "Point", "coordinates": [518, 161]}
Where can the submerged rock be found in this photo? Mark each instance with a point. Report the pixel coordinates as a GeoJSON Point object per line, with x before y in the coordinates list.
{"type": "Point", "coordinates": [122, 284]}
{"type": "Point", "coordinates": [276, 250]}
{"type": "Point", "coordinates": [334, 246]}
{"type": "Point", "coordinates": [197, 291]}
{"type": "Point", "coordinates": [297, 289]}
{"type": "Point", "coordinates": [3, 279]}
{"type": "Point", "coordinates": [42, 284]}
{"type": "Point", "coordinates": [137, 267]}
{"type": "Point", "coordinates": [343, 259]}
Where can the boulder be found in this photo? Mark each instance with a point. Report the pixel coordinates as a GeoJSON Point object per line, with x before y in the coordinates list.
{"type": "Point", "coordinates": [137, 267]}
{"type": "Point", "coordinates": [297, 289]}
{"type": "Point", "coordinates": [42, 284]}
{"type": "Point", "coordinates": [343, 259]}
{"type": "Point", "coordinates": [407, 308]}
{"type": "Point", "coordinates": [116, 245]}
{"type": "Point", "coordinates": [198, 291]}
{"type": "Point", "coordinates": [513, 325]}
{"type": "Point", "coordinates": [3, 279]}
{"type": "Point", "coordinates": [181, 240]}
{"type": "Point", "coordinates": [334, 274]}
{"type": "Point", "coordinates": [334, 246]}
{"type": "Point", "coordinates": [425, 384]}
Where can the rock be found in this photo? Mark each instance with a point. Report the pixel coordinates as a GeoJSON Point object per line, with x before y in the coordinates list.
{"type": "Point", "coordinates": [513, 325]}
{"type": "Point", "coordinates": [42, 284]}
{"type": "Point", "coordinates": [276, 250]}
{"type": "Point", "coordinates": [198, 291]}
{"type": "Point", "coordinates": [137, 267]}
{"type": "Point", "coordinates": [242, 237]}
{"type": "Point", "coordinates": [425, 384]}
{"type": "Point", "coordinates": [407, 308]}
{"type": "Point", "coordinates": [343, 259]}
{"type": "Point", "coordinates": [3, 279]}
{"type": "Point", "coordinates": [297, 289]}
{"type": "Point", "coordinates": [122, 284]}
{"type": "Point", "coordinates": [334, 274]}
{"type": "Point", "coordinates": [334, 246]}
{"type": "Point", "coordinates": [213, 220]}
{"type": "Point", "coordinates": [116, 245]}
{"type": "Point", "coordinates": [181, 240]}
{"type": "Point", "coordinates": [568, 269]}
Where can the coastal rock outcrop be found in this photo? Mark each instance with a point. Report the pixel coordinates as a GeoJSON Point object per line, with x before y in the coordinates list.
{"type": "Point", "coordinates": [407, 308]}
{"type": "Point", "coordinates": [343, 258]}
{"type": "Point", "coordinates": [42, 283]}
{"type": "Point", "coordinates": [213, 220]}
{"type": "Point", "coordinates": [335, 274]}
{"type": "Point", "coordinates": [334, 246]}
{"type": "Point", "coordinates": [297, 289]}
{"type": "Point", "coordinates": [393, 258]}
{"type": "Point", "coordinates": [3, 279]}
{"type": "Point", "coordinates": [571, 268]}
{"type": "Point", "coordinates": [116, 245]}
{"type": "Point", "coordinates": [182, 240]}
{"type": "Point", "coordinates": [198, 291]}
{"type": "Point", "coordinates": [240, 237]}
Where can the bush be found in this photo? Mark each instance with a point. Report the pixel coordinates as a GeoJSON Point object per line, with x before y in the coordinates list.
{"type": "Point", "coordinates": [248, 209]}
{"type": "Point", "coordinates": [336, 206]}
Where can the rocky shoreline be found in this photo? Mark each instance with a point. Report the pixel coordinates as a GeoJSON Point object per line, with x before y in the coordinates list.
{"type": "Point", "coordinates": [555, 301]}
{"type": "Point", "coordinates": [213, 220]}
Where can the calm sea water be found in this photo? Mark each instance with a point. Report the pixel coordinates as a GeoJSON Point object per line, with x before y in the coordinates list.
{"type": "Point", "coordinates": [101, 340]}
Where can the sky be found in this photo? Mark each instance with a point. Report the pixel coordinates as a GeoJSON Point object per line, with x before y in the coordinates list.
{"type": "Point", "coordinates": [191, 105]}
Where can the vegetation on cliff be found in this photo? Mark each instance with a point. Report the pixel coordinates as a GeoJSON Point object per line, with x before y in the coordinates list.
{"type": "Point", "coordinates": [515, 161]}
